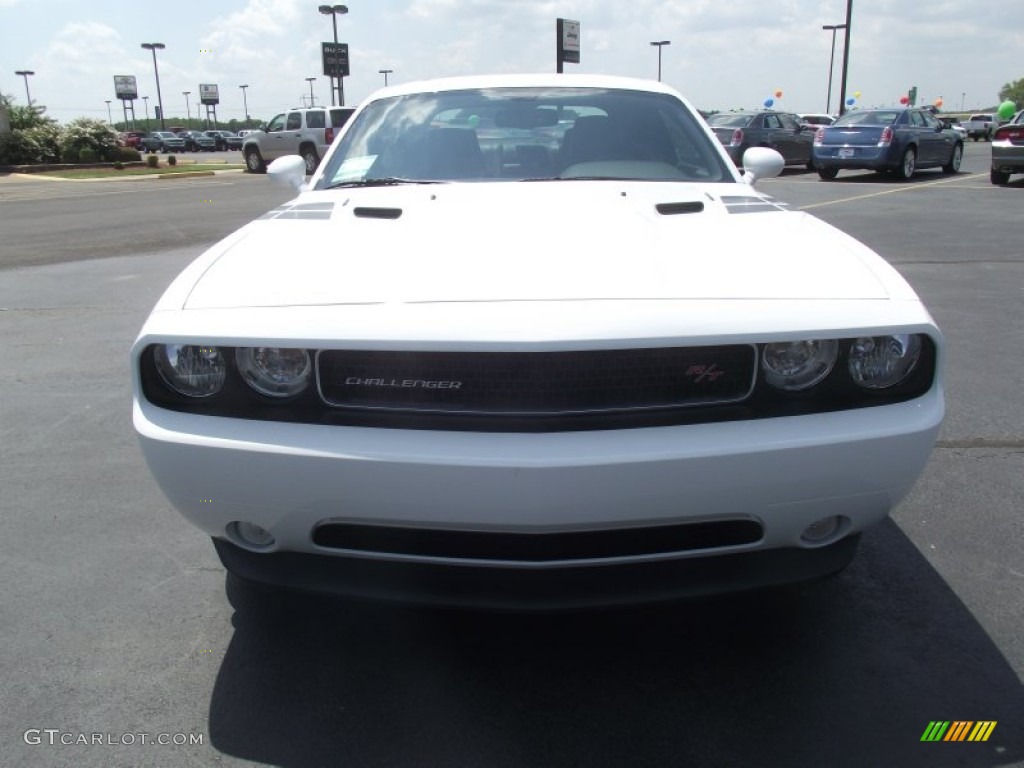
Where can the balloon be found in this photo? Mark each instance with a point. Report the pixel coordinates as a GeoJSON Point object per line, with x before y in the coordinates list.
{"type": "Point", "coordinates": [769, 102]}
{"type": "Point", "coordinates": [904, 99]}
{"type": "Point", "coordinates": [851, 101]}
{"type": "Point", "coordinates": [1006, 110]}
{"type": "Point", "coordinates": [778, 94]}
{"type": "Point", "coordinates": [938, 102]}
{"type": "Point", "coordinates": [856, 94]}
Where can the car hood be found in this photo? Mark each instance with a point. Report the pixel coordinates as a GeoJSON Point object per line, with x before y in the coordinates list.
{"type": "Point", "coordinates": [532, 241]}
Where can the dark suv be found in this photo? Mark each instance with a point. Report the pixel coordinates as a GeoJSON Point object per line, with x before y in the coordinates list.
{"type": "Point", "coordinates": [781, 131]}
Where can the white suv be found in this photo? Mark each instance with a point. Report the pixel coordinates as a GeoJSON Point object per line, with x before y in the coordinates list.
{"type": "Point", "coordinates": [306, 132]}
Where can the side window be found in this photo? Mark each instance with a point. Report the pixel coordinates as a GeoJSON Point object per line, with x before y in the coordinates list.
{"type": "Point", "coordinates": [916, 120]}
{"type": "Point", "coordinates": [789, 123]}
{"type": "Point", "coordinates": [276, 124]}
{"type": "Point", "coordinates": [931, 121]}
{"type": "Point", "coordinates": [294, 121]}
{"type": "Point", "coordinates": [771, 121]}
{"type": "Point", "coordinates": [316, 119]}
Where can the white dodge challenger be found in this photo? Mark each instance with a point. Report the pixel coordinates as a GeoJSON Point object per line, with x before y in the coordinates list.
{"type": "Point", "coordinates": [534, 342]}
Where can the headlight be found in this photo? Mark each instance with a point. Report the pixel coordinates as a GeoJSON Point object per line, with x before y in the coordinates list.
{"type": "Point", "coordinates": [274, 371]}
{"type": "Point", "coordinates": [191, 370]}
{"type": "Point", "coordinates": [877, 362]}
{"type": "Point", "coordinates": [798, 365]}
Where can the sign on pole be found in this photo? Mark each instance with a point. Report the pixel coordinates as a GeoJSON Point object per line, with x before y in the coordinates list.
{"type": "Point", "coordinates": [567, 33]}
{"type": "Point", "coordinates": [125, 87]}
{"type": "Point", "coordinates": [335, 57]}
{"type": "Point", "coordinates": [208, 94]}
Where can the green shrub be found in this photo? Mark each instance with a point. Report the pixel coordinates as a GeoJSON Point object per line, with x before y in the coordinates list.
{"type": "Point", "coordinates": [87, 155]}
{"type": "Point", "coordinates": [86, 133]}
{"type": "Point", "coordinates": [118, 165]}
{"type": "Point", "coordinates": [69, 155]}
{"type": "Point", "coordinates": [152, 161]}
{"type": "Point", "coordinates": [124, 154]}
{"type": "Point", "coordinates": [172, 160]}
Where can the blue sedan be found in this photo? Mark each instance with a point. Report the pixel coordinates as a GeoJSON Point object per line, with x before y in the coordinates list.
{"type": "Point", "coordinates": [898, 139]}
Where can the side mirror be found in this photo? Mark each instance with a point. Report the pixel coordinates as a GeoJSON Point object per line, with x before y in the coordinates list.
{"type": "Point", "coordinates": [761, 163]}
{"type": "Point", "coordinates": [288, 171]}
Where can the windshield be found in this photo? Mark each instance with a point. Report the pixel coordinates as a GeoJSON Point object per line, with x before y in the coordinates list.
{"type": "Point", "coordinates": [522, 134]}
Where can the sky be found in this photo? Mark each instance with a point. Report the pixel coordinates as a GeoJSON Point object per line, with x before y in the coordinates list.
{"type": "Point", "coordinates": [723, 54]}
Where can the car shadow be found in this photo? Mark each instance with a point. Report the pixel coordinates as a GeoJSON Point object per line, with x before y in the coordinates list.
{"type": "Point", "coordinates": [845, 672]}
{"type": "Point", "coordinates": [882, 177]}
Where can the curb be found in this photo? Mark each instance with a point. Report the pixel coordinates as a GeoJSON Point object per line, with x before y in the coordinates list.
{"type": "Point", "coordinates": [182, 175]}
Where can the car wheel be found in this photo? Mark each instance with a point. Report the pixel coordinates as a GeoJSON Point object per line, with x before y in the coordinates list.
{"type": "Point", "coordinates": [828, 174]}
{"type": "Point", "coordinates": [311, 159]}
{"type": "Point", "coordinates": [254, 161]}
{"type": "Point", "coordinates": [907, 166]}
{"type": "Point", "coordinates": [998, 177]}
{"type": "Point", "coordinates": [953, 166]}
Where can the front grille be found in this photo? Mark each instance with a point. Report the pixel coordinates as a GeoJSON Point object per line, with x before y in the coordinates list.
{"type": "Point", "coordinates": [536, 383]}
{"type": "Point", "coordinates": [536, 547]}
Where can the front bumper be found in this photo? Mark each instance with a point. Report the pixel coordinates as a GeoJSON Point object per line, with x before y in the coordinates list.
{"type": "Point", "coordinates": [783, 473]}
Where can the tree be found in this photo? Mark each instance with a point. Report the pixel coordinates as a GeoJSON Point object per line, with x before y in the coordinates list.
{"type": "Point", "coordinates": [34, 137]}
{"type": "Point", "coordinates": [1013, 92]}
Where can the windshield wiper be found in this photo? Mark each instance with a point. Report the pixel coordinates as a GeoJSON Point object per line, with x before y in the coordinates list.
{"type": "Point", "coordinates": [387, 181]}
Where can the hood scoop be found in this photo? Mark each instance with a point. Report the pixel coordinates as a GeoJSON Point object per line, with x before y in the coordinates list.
{"type": "Point", "coordinates": [672, 209]}
{"type": "Point", "coordinates": [364, 212]}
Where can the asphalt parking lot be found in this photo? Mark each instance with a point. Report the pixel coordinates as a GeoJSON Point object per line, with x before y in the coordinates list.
{"type": "Point", "coordinates": [118, 622]}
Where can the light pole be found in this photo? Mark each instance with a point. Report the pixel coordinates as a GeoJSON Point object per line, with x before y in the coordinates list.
{"type": "Point", "coordinates": [245, 103]}
{"type": "Point", "coordinates": [333, 11]}
{"type": "Point", "coordinates": [154, 47]}
{"type": "Point", "coordinates": [110, 118]}
{"type": "Point", "coordinates": [385, 72]}
{"type": "Point", "coordinates": [846, 56]}
{"type": "Point", "coordinates": [188, 110]}
{"type": "Point", "coordinates": [145, 100]}
{"type": "Point", "coordinates": [963, 97]}
{"type": "Point", "coordinates": [312, 101]}
{"type": "Point", "coordinates": [659, 45]}
{"type": "Point", "coordinates": [831, 60]}
{"type": "Point", "coordinates": [25, 73]}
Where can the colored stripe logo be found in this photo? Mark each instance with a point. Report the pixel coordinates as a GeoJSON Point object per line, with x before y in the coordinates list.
{"type": "Point", "coordinates": [958, 730]}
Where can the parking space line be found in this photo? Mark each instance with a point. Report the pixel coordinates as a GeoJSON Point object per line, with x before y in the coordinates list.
{"type": "Point", "coordinates": [893, 191]}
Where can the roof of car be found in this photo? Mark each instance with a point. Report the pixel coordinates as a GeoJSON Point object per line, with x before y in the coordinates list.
{"type": "Point", "coordinates": [546, 79]}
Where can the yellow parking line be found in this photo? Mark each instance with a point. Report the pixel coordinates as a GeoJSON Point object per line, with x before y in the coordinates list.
{"type": "Point", "coordinates": [890, 191]}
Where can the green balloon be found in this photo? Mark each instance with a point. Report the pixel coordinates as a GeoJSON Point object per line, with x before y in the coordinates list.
{"type": "Point", "coordinates": [1006, 110]}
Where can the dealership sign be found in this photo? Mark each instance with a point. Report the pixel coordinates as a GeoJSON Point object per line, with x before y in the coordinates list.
{"type": "Point", "coordinates": [125, 87]}
{"type": "Point", "coordinates": [335, 59]}
{"type": "Point", "coordinates": [568, 32]}
{"type": "Point", "coordinates": [208, 94]}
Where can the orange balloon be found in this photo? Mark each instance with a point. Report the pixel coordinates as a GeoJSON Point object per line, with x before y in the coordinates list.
{"type": "Point", "coordinates": [778, 94]}
{"type": "Point", "coordinates": [938, 102]}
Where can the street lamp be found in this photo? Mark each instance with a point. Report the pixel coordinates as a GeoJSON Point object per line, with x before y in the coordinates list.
{"type": "Point", "coordinates": [25, 73]}
{"type": "Point", "coordinates": [110, 118]}
{"type": "Point", "coordinates": [846, 57]}
{"type": "Point", "coordinates": [831, 60]}
{"type": "Point", "coordinates": [333, 11]}
{"type": "Point", "coordinates": [245, 102]}
{"type": "Point", "coordinates": [154, 47]}
{"type": "Point", "coordinates": [188, 110]}
{"type": "Point", "coordinates": [658, 45]}
{"type": "Point", "coordinates": [312, 101]}
{"type": "Point", "coordinates": [145, 101]}
{"type": "Point", "coordinates": [385, 72]}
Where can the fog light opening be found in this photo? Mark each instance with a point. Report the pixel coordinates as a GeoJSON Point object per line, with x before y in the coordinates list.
{"type": "Point", "coordinates": [824, 530]}
{"type": "Point", "coordinates": [250, 536]}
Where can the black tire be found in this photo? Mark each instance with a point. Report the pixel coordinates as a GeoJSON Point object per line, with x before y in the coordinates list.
{"type": "Point", "coordinates": [998, 177]}
{"type": "Point", "coordinates": [953, 166]}
{"type": "Point", "coordinates": [310, 157]}
{"type": "Point", "coordinates": [828, 174]}
{"type": "Point", "coordinates": [907, 165]}
{"type": "Point", "coordinates": [254, 161]}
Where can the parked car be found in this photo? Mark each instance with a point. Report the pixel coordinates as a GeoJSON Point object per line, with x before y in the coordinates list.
{"type": "Point", "coordinates": [781, 131]}
{"type": "Point", "coordinates": [534, 341]}
{"type": "Point", "coordinates": [1008, 150]}
{"type": "Point", "coordinates": [897, 139]}
{"type": "Point", "coordinates": [225, 139]}
{"type": "Point", "coordinates": [815, 119]}
{"type": "Point", "coordinates": [980, 126]}
{"type": "Point", "coordinates": [163, 141]}
{"type": "Point", "coordinates": [304, 132]}
{"type": "Point", "coordinates": [197, 141]}
{"type": "Point", "coordinates": [952, 124]}
{"type": "Point", "coordinates": [132, 139]}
